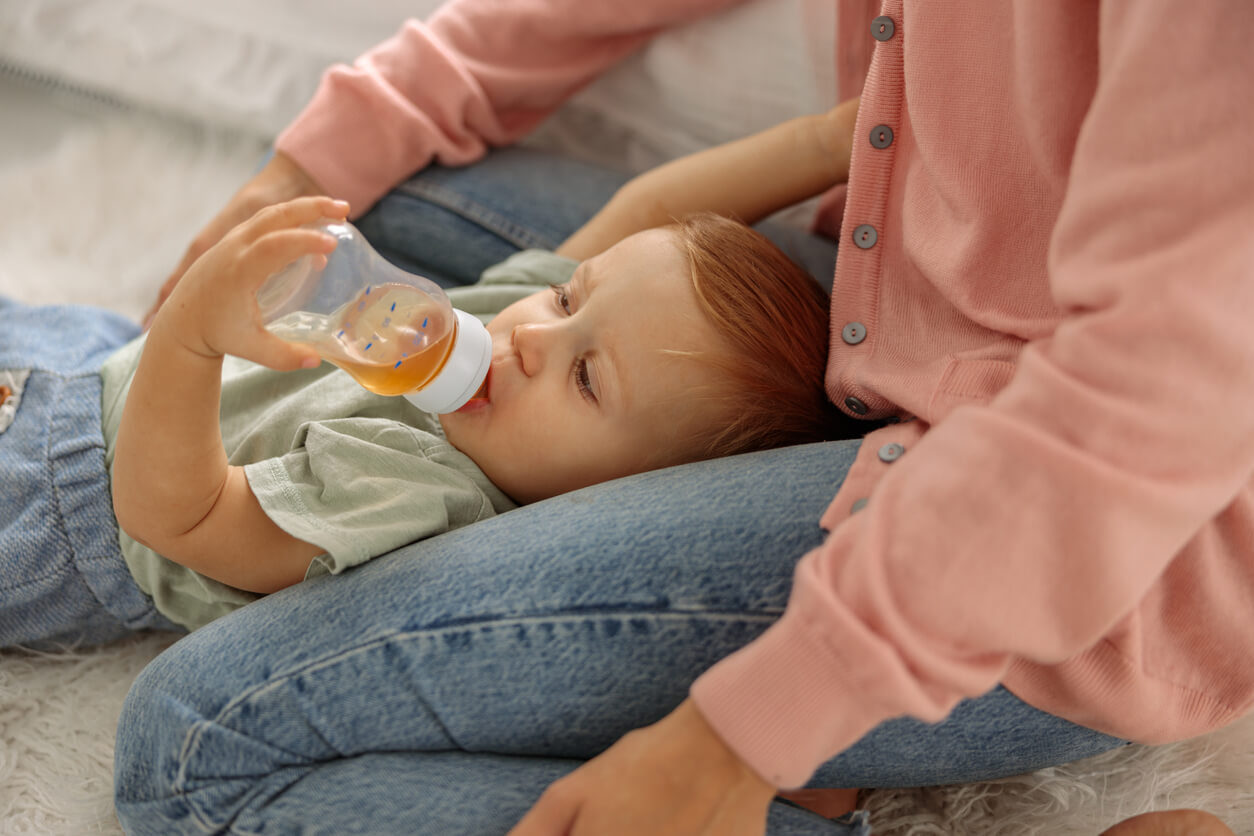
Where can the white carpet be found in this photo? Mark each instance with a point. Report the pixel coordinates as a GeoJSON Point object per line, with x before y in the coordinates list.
{"type": "Point", "coordinates": [100, 220]}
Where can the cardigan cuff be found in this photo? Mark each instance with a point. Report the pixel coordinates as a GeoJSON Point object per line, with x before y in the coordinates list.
{"type": "Point", "coordinates": [787, 702]}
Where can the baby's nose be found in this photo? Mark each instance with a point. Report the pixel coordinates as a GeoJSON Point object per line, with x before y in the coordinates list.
{"type": "Point", "coordinates": [531, 341]}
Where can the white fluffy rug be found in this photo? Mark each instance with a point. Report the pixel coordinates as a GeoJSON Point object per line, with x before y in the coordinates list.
{"type": "Point", "coordinates": [100, 220]}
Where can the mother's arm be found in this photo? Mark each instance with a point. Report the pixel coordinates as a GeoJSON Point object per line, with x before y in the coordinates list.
{"type": "Point", "coordinates": [280, 180]}
{"type": "Point", "coordinates": [478, 74]}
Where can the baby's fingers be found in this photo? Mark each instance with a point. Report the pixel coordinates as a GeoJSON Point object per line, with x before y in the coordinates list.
{"type": "Point", "coordinates": [266, 349]}
{"type": "Point", "coordinates": [293, 213]}
{"type": "Point", "coordinates": [274, 251]}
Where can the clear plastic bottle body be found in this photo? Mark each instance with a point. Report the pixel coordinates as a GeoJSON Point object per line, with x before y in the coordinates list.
{"type": "Point", "coordinates": [396, 333]}
{"type": "Point", "coordinates": [391, 339]}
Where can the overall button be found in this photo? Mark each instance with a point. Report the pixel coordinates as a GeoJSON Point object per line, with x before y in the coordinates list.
{"type": "Point", "coordinates": [858, 506]}
{"type": "Point", "coordinates": [856, 406]}
{"type": "Point", "coordinates": [865, 236]}
{"type": "Point", "coordinates": [891, 452]}
{"type": "Point", "coordinates": [881, 136]}
{"type": "Point", "coordinates": [882, 28]}
{"type": "Point", "coordinates": [853, 333]}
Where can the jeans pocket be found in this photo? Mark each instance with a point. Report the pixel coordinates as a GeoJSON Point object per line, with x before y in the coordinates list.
{"type": "Point", "coordinates": [12, 382]}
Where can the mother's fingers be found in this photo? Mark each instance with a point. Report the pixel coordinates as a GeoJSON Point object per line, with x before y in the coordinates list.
{"type": "Point", "coordinates": [302, 210]}
{"type": "Point", "coordinates": [553, 814]}
{"type": "Point", "coordinates": [1171, 823]}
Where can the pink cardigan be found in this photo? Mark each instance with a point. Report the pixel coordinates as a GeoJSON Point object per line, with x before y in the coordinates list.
{"type": "Point", "coordinates": [1052, 264]}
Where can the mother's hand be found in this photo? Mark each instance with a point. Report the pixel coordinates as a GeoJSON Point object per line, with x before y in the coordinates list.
{"type": "Point", "coordinates": [674, 778]}
{"type": "Point", "coordinates": [280, 180]}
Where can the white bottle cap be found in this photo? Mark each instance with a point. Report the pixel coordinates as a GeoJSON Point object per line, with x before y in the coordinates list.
{"type": "Point", "coordinates": [463, 372]}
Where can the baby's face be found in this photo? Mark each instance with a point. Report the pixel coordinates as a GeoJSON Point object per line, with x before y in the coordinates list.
{"type": "Point", "coordinates": [582, 389]}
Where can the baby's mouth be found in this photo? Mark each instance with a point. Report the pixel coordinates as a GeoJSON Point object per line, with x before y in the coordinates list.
{"type": "Point", "coordinates": [484, 390]}
{"type": "Point", "coordinates": [482, 396]}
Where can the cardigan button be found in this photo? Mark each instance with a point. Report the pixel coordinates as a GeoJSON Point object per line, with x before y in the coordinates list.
{"type": "Point", "coordinates": [865, 236]}
{"type": "Point", "coordinates": [891, 452]}
{"type": "Point", "coordinates": [881, 136]}
{"type": "Point", "coordinates": [856, 406]}
{"type": "Point", "coordinates": [853, 333]}
{"type": "Point", "coordinates": [882, 28]}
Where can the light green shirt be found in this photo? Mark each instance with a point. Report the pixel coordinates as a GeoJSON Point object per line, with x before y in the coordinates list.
{"type": "Point", "coordinates": [354, 473]}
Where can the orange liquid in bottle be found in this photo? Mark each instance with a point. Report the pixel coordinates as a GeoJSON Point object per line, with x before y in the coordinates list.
{"type": "Point", "coordinates": [392, 339]}
{"type": "Point", "coordinates": [414, 371]}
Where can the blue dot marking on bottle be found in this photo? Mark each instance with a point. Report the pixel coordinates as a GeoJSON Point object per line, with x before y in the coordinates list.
{"type": "Point", "coordinates": [393, 306]}
{"type": "Point", "coordinates": [398, 364]}
{"type": "Point", "coordinates": [339, 335]}
{"type": "Point", "coordinates": [367, 348]}
{"type": "Point", "coordinates": [424, 323]}
{"type": "Point", "coordinates": [368, 290]}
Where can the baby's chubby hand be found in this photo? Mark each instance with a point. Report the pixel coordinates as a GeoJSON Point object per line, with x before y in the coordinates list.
{"type": "Point", "coordinates": [213, 311]}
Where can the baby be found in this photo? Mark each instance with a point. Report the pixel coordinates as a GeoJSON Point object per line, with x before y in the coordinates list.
{"type": "Point", "coordinates": [240, 464]}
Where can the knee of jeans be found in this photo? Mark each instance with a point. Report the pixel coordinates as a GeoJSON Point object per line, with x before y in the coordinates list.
{"type": "Point", "coordinates": [151, 730]}
{"type": "Point", "coordinates": [153, 792]}
{"type": "Point", "coordinates": [177, 768]}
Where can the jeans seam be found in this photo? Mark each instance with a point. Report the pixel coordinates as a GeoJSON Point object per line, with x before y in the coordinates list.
{"type": "Point", "coordinates": [193, 808]}
{"type": "Point", "coordinates": [490, 220]}
{"type": "Point", "coordinates": [206, 822]}
{"type": "Point", "coordinates": [50, 471]}
{"type": "Point", "coordinates": [191, 740]}
{"type": "Point", "coordinates": [282, 677]}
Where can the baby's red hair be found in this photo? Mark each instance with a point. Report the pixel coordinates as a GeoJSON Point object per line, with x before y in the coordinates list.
{"type": "Point", "coordinates": [774, 317]}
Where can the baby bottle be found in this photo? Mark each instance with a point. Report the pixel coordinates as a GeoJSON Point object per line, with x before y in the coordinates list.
{"type": "Point", "coordinates": [394, 332]}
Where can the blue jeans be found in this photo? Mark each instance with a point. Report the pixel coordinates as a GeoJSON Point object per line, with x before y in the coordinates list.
{"type": "Point", "coordinates": [451, 224]}
{"type": "Point", "coordinates": [439, 689]}
{"type": "Point", "coordinates": [62, 577]}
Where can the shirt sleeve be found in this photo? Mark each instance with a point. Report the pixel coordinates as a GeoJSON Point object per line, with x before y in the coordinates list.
{"type": "Point", "coordinates": [360, 487]}
{"type": "Point", "coordinates": [1030, 526]}
{"type": "Point", "coordinates": [479, 74]}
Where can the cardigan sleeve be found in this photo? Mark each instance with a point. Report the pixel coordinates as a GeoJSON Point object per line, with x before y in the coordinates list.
{"type": "Point", "coordinates": [479, 74]}
{"type": "Point", "coordinates": [1031, 525]}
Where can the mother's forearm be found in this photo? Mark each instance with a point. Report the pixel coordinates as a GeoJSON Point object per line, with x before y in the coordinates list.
{"type": "Point", "coordinates": [169, 465]}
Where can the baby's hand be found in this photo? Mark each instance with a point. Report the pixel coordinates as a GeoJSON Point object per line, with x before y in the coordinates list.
{"type": "Point", "coordinates": [213, 311]}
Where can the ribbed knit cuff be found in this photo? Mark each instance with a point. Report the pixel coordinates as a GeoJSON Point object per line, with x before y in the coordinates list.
{"type": "Point", "coordinates": [315, 138]}
{"type": "Point", "coordinates": [786, 703]}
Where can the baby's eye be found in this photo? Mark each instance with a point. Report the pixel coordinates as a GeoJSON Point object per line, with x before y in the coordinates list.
{"type": "Point", "coordinates": [563, 296]}
{"type": "Point", "coordinates": [583, 380]}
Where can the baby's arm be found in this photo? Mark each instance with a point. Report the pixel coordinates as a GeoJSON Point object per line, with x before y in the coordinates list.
{"type": "Point", "coordinates": [747, 179]}
{"type": "Point", "coordinates": [173, 489]}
